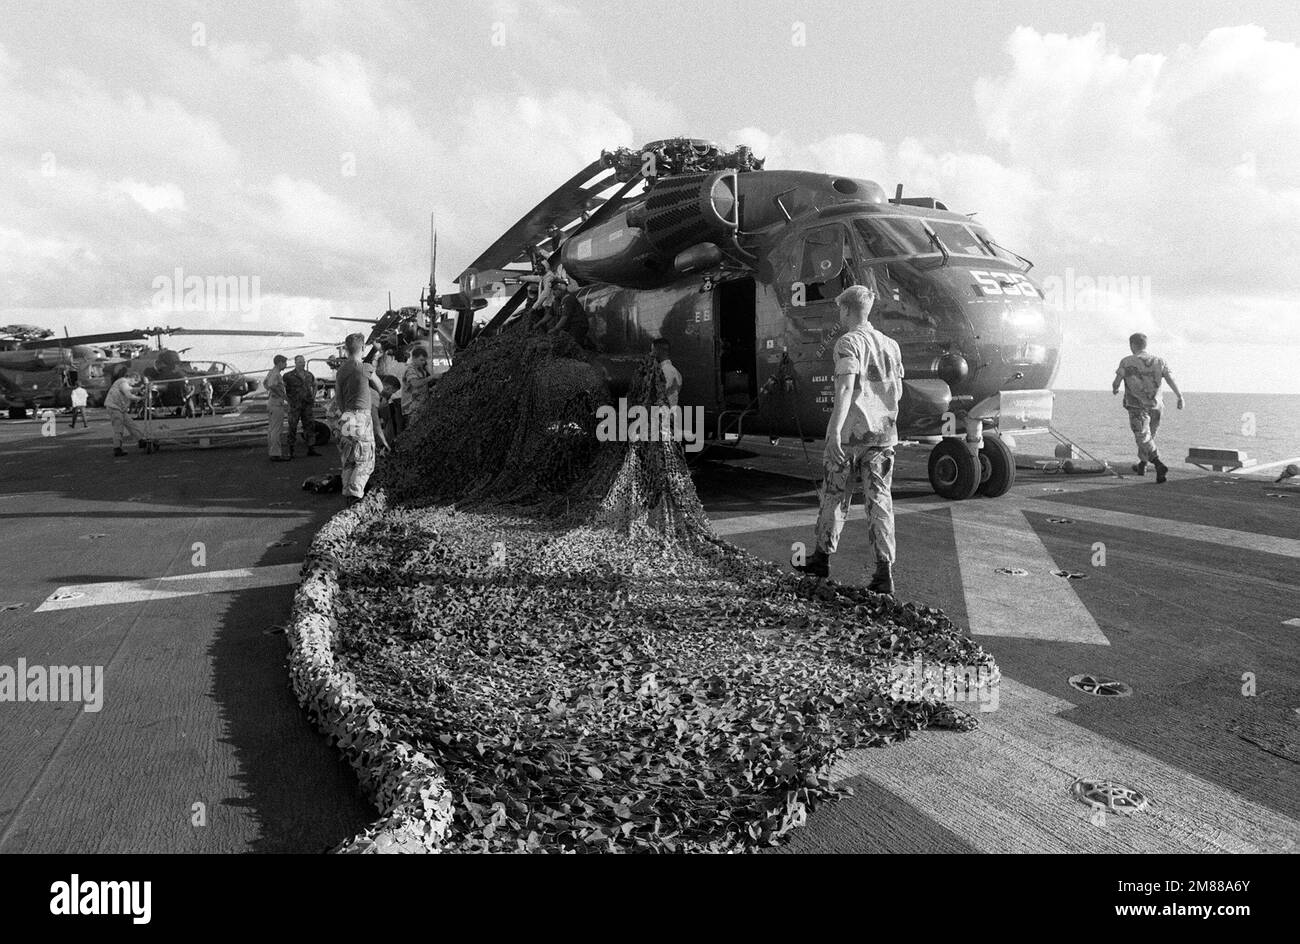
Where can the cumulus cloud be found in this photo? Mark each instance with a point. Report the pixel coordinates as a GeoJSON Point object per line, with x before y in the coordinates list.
{"type": "Point", "coordinates": [312, 162]}
{"type": "Point", "coordinates": [1179, 172]}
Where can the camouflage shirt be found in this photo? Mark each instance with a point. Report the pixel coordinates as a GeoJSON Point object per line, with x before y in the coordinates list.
{"type": "Point", "coordinates": [877, 366]}
{"type": "Point", "coordinates": [300, 386]}
{"type": "Point", "coordinates": [1142, 375]}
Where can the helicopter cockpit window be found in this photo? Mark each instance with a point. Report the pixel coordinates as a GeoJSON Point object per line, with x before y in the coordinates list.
{"type": "Point", "coordinates": [826, 264]}
{"type": "Point", "coordinates": [959, 239]}
{"type": "Point", "coordinates": [909, 306]}
{"type": "Point", "coordinates": [994, 249]}
{"type": "Point", "coordinates": [890, 236]}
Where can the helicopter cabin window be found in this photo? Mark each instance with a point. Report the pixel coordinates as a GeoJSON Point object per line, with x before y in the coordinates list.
{"type": "Point", "coordinates": [890, 236]}
{"type": "Point", "coordinates": [826, 263]}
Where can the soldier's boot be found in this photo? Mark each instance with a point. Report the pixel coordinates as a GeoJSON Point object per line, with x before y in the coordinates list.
{"type": "Point", "coordinates": [1162, 470]}
{"type": "Point", "coordinates": [883, 580]}
{"type": "Point", "coordinates": [118, 451]}
{"type": "Point", "coordinates": [818, 565]}
{"type": "Point", "coordinates": [1140, 468]}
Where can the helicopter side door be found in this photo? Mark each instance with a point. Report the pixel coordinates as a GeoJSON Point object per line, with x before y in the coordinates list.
{"type": "Point", "coordinates": [817, 265]}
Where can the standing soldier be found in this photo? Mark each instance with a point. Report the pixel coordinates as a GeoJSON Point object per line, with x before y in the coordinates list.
{"type": "Point", "coordinates": [79, 398]}
{"type": "Point", "coordinates": [205, 397]}
{"type": "Point", "coordinates": [300, 400]}
{"type": "Point", "coordinates": [868, 375]}
{"type": "Point", "coordinates": [353, 389]}
{"type": "Point", "coordinates": [118, 403]}
{"type": "Point", "coordinates": [275, 393]}
{"type": "Point", "coordinates": [1141, 374]}
{"type": "Point", "coordinates": [415, 384]}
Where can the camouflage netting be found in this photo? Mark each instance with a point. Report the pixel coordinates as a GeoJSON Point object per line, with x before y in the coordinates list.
{"type": "Point", "coordinates": [515, 421]}
{"type": "Point", "coordinates": [550, 624]}
{"type": "Point", "coordinates": [512, 421]}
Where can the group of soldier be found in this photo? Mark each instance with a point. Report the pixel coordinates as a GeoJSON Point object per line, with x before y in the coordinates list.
{"type": "Point", "coordinates": [555, 307]}
{"type": "Point", "coordinates": [375, 397]}
{"type": "Point", "coordinates": [291, 395]}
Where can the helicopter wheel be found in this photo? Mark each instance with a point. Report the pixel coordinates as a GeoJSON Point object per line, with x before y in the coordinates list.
{"type": "Point", "coordinates": [997, 467]}
{"type": "Point", "coordinates": [321, 431]}
{"type": "Point", "coordinates": [954, 472]}
{"type": "Point", "coordinates": [17, 413]}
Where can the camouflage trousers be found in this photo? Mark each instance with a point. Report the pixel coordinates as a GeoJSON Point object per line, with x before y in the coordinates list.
{"type": "Point", "coordinates": [1144, 424]}
{"type": "Point", "coordinates": [873, 467]}
{"type": "Point", "coordinates": [300, 412]}
{"type": "Point", "coordinates": [356, 451]}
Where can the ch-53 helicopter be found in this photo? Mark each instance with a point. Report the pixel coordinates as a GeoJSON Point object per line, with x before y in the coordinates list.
{"type": "Point", "coordinates": [40, 370]}
{"type": "Point", "coordinates": [738, 268]}
{"type": "Point", "coordinates": [33, 376]}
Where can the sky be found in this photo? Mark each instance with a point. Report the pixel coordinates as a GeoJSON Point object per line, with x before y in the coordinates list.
{"type": "Point", "coordinates": [296, 150]}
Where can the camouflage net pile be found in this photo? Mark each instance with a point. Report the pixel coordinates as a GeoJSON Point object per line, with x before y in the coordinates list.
{"type": "Point", "coordinates": [549, 623]}
{"type": "Point", "coordinates": [512, 421]}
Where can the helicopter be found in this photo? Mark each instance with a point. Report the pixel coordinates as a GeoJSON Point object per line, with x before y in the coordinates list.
{"type": "Point", "coordinates": [84, 358]}
{"type": "Point", "coordinates": [738, 267]}
{"type": "Point", "coordinates": [35, 374]}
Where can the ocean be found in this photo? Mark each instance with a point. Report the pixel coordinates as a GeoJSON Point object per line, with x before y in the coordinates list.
{"type": "Point", "coordinates": [1264, 426]}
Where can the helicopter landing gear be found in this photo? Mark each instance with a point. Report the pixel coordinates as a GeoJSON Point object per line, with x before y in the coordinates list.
{"type": "Point", "coordinates": [954, 472]}
{"type": "Point", "coordinates": [997, 467]}
{"type": "Point", "coordinates": [321, 433]}
{"type": "Point", "coordinates": [17, 413]}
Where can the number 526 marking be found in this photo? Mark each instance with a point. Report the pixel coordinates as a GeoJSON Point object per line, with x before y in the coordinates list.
{"type": "Point", "coordinates": [1012, 283]}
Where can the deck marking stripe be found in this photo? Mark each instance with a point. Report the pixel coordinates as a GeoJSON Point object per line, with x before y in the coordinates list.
{"type": "Point", "coordinates": [1224, 537]}
{"type": "Point", "coordinates": [961, 783]}
{"type": "Point", "coordinates": [807, 517]}
{"type": "Point", "coordinates": [1039, 605]}
{"type": "Point", "coordinates": [166, 588]}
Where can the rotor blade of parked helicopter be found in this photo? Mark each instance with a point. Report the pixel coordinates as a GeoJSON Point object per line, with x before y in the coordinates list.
{"type": "Point", "coordinates": [235, 333]}
{"type": "Point", "coordinates": [358, 320]}
{"type": "Point", "coordinates": [103, 338]}
{"type": "Point", "coordinates": [564, 204]}
{"type": "Point", "coordinates": [506, 311]}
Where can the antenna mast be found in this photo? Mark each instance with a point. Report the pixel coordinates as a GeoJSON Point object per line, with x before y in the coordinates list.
{"type": "Point", "coordinates": [433, 265]}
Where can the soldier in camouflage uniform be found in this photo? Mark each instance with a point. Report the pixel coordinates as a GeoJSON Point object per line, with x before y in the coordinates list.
{"type": "Point", "coordinates": [300, 399]}
{"type": "Point", "coordinates": [1141, 374]}
{"type": "Point", "coordinates": [860, 438]}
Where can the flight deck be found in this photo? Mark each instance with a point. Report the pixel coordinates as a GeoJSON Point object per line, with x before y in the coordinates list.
{"type": "Point", "coordinates": [176, 571]}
